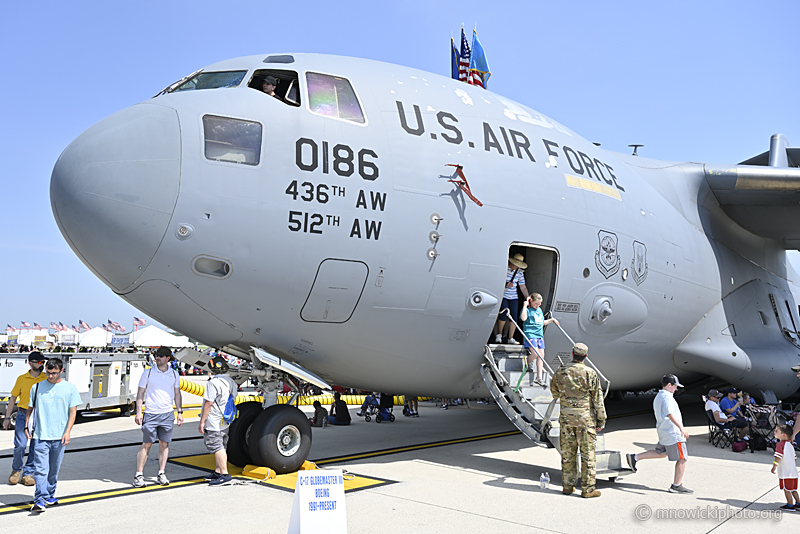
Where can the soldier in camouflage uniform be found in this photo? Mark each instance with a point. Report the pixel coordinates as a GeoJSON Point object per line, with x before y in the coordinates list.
{"type": "Point", "coordinates": [583, 415]}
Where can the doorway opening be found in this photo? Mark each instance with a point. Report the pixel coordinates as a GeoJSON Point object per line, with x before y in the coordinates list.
{"type": "Point", "coordinates": [541, 276]}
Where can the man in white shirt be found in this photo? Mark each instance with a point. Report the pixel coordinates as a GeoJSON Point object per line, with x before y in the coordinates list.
{"type": "Point", "coordinates": [672, 434]}
{"type": "Point", "coordinates": [158, 387]}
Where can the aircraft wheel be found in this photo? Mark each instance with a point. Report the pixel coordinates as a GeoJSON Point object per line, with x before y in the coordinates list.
{"type": "Point", "coordinates": [238, 451]}
{"type": "Point", "coordinates": [280, 438]}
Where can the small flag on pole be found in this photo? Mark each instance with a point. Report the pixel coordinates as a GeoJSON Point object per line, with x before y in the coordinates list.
{"type": "Point", "coordinates": [138, 322]}
{"type": "Point", "coordinates": [25, 324]}
{"type": "Point", "coordinates": [37, 326]}
{"type": "Point", "coordinates": [10, 328]}
{"type": "Point", "coordinates": [463, 62]}
{"type": "Point", "coordinates": [479, 71]}
{"type": "Point", "coordinates": [454, 60]}
{"type": "Point", "coordinates": [84, 325]}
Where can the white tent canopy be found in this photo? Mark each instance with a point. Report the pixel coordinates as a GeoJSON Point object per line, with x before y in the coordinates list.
{"type": "Point", "coordinates": [96, 337]}
{"type": "Point", "coordinates": [28, 337]}
{"type": "Point", "coordinates": [152, 336]}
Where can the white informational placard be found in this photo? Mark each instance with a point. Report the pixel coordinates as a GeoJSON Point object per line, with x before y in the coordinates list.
{"type": "Point", "coordinates": [319, 503]}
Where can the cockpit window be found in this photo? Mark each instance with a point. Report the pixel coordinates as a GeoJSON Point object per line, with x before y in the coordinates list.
{"type": "Point", "coordinates": [333, 96]}
{"type": "Point", "coordinates": [211, 80]}
{"type": "Point", "coordinates": [286, 87]}
{"type": "Point", "coordinates": [232, 140]}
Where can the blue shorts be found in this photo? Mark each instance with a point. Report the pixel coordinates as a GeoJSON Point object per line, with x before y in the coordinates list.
{"type": "Point", "coordinates": [513, 307]}
{"type": "Point", "coordinates": [537, 342]}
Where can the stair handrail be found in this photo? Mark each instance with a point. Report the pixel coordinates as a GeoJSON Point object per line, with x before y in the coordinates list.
{"type": "Point", "coordinates": [588, 361]}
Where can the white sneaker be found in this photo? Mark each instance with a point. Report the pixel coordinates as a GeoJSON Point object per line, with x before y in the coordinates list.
{"type": "Point", "coordinates": [162, 479]}
{"type": "Point", "coordinates": [498, 339]}
{"type": "Point", "coordinates": [512, 341]}
{"type": "Point", "coordinates": [138, 481]}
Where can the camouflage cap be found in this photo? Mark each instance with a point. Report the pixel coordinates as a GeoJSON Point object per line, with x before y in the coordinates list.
{"type": "Point", "coordinates": [579, 349]}
{"type": "Point", "coordinates": [218, 364]}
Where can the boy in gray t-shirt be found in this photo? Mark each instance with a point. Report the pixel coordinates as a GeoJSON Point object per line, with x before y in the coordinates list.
{"type": "Point", "coordinates": [212, 427]}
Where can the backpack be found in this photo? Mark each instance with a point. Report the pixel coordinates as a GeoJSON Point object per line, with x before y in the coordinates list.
{"type": "Point", "coordinates": [230, 412]}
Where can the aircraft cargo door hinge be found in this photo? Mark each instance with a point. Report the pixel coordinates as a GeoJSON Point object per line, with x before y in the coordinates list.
{"type": "Point", "coordinates": [463, 184]}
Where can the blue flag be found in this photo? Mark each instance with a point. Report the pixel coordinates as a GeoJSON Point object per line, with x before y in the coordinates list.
{"type": "Point", "coordinates": [454, 59]}
{"type": "Point", "coordinates": [479, 72]}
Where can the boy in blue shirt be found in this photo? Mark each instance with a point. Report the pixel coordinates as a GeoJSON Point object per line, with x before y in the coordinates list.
{"type": "Point", "coordinates": [54, 403]}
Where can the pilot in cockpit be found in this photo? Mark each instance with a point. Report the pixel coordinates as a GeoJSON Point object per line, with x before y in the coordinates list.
{"type": "Point", "coordinates": [270, 83]}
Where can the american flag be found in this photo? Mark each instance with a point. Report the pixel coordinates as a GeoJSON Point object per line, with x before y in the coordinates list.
{"type": "Point", "coordinates": [53, 326]}
{"type": "Point", "coordinates": [75, 329]}
{"type": "Point", "coordinates": [138, 322]}
{"type": "Point", "coordinates": [84, 325]}
{"type": "Point", "coordinates": [115, 325]}
{"type": "Point", "coordinates": [25, 324]}
{"type": "Point", "coordinates": [61, 326]}
{"type": "Point", "coordinates": [463, 63]}
{"type": "Point", "coordinates": [105, 327]}
{"type": "Point", "coordinates": [37, 326]}
{"type": "Point", "coordinates": [10, 328]}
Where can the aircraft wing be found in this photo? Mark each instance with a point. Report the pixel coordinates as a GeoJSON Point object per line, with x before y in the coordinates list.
{"type": "Point", "coordinates": [762, 194]}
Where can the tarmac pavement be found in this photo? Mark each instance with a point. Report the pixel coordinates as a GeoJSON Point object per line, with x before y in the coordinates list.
{"type": "Point", "coordinates": [484, 485]}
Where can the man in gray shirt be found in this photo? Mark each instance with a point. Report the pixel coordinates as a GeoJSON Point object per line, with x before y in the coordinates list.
{"type": "Point", "coordinates": [213, 428]}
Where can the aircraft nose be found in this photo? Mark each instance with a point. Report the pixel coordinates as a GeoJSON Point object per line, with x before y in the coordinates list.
{"type": "Point", "coordinates": [114, 188]}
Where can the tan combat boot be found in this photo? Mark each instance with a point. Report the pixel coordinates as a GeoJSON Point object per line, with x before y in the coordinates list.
{"type": "Point", "coordinates": [27, 480]}
{"type": "Point", "coordinates": [567, 490]}
{"type": "Point", "coordinates": [14, 478]}
{"type": "Point", "coordinates": [590, 494]}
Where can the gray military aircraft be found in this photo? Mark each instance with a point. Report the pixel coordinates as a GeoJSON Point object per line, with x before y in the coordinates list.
{"type": "Point", "coordinates": [354, 228]}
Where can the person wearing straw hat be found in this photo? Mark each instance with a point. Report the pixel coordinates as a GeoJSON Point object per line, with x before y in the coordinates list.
{"type": "Point", "coordinates": [515, 278]}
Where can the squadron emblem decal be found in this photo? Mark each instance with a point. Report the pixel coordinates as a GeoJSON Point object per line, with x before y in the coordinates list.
{"type": "Point", "coordinates": [639, 262]}
{"type": "Point", "coordinates": [606, 258]}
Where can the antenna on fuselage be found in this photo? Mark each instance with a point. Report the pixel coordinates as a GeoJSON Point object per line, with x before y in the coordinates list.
{"type": "Point", "coordinates": [635, 148]}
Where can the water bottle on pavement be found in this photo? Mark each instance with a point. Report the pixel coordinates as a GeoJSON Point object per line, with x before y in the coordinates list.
{"type": "Point", "coordinates": [324, 422]}
{"type": "Point", "coordinates": [547, 481]}
{"type": "Point", "coordinates": [541, 481]}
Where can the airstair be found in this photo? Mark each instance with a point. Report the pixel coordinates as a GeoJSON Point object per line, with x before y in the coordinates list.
{"type": "Point", "coordinates": [531, 406]}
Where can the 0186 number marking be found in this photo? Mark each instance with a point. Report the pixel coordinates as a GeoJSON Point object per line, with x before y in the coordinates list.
{"type": "Point", "coordinates": [345, 162]}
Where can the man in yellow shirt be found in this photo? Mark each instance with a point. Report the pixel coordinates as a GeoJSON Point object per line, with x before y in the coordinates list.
{"type": "Point", "coordinates": [20, 396]}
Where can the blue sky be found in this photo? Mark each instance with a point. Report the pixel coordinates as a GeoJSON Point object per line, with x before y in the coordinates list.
{"type": "Point", "coordinates": [693, 81]}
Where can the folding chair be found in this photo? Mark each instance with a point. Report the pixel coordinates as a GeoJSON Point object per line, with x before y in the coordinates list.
{"type": "Point", "coordinates": [718, 435]}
